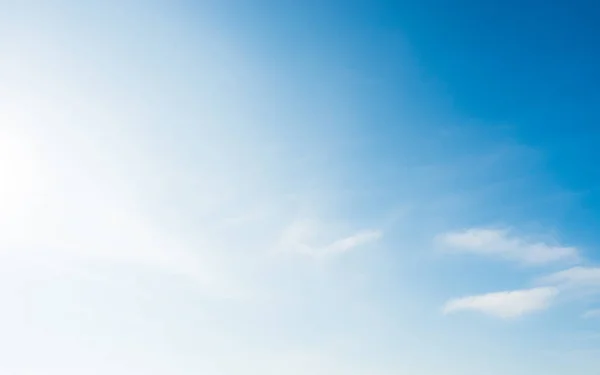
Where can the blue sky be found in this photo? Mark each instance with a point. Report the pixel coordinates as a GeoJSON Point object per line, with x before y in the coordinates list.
{"type": "Point", "coordinates": [322, 187]}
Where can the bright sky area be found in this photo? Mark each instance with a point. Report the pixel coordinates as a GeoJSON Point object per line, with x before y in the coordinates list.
{"type": "Point", "coordinates": [299, 187]}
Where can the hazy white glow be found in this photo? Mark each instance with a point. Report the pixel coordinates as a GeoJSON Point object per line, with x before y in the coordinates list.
{"type": "Point", "coordinates": [19, 171]}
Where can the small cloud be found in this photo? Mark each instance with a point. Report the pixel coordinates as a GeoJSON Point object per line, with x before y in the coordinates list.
{"type": "Point", "coordinates": [507, 304]}
{"type": "Point", "coordinates": [348, 243]}
{"type": "Point", "coordinates": [305, 237]}
{"type": "Point", "coordinates": [499, 243]}
{"type": "Point", "coordinates": [591, 314]}
{"type": "Point", "coordinates": [574, 277]}
{"type": "Point", "coordinates": [577, 282]}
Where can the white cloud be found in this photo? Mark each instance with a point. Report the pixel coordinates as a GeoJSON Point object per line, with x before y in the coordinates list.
{"type": "Point", "coordinates": [348, 243]}
{"type": "Point", "coordinates": [574, 277]}
{"type": "Point", "coordinates": [499, 243]}
{"type": "Point", "coordinates": [507, 304]}
{"type": "Point", "coordinates": [309, 238]}
{"type": "Point", "coordinates": [592, 314]}
{"type": "Point", "coordinates": [577, 282]}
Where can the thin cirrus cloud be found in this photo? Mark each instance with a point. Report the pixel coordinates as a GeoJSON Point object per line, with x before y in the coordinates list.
{"type": "Point", "coordinates": [499, 243]}
{"type": "Point", "coordinates": [358, 239]}
{"type": "Point", "coordinates": [574, 277]}
{"type": "Point", "coordinates": [592, 314]}
{"type": "Point", "coordinates": [506, 304]}
{"type": "Point", "coordinates": [306, 237]}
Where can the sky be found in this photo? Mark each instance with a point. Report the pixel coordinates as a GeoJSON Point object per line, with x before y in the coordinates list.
{"type": "Point", "coordinates": [299, 187]}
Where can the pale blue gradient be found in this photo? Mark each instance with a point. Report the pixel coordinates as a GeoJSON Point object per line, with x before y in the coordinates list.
{"type": "Point", "coordinates": [257, 187]}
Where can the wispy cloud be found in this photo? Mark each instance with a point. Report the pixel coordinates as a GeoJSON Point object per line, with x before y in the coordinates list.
{"type": "Point", "coordinates": [576, 283]}
{"type": "Point", "coordinates": [501, 244]}
{"type": "Point", "coordinates": [309, 238]}
{"type": "Point", "coordinates": [574, 277]}
{"type": "Point", "coordinates": [591, 314]}
{"type": "Point", "coordinates": [507, 304]}
{"type": "Point", "coordinates": [348, 243]}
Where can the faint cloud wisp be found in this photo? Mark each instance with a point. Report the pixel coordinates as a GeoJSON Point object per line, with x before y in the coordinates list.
{"type": "Point", "coordinates": [308, 238]}
{"type": "Point", "coordinates": [499, 243]}
{"type": "Point", "coordinates": [506, 304]}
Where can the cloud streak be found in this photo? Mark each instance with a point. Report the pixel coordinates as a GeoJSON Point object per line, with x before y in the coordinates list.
{"type": "Point", "coordinates": [360, 238]}
{"type": "Point", "coordinates": [506, 304]}
{"type": "Point", "coordinates": [499, 243]}
{"type": "Point", "coordinates": [311, 239]}
{"type": "Point", "coordinates": [583, 278]}
{"type": "Point", "coordinates": [591, 314]}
